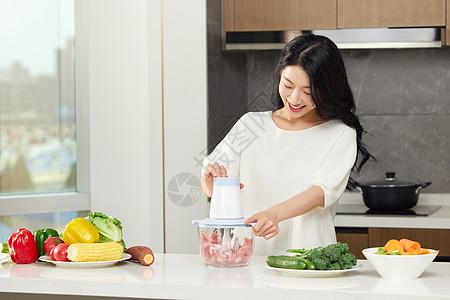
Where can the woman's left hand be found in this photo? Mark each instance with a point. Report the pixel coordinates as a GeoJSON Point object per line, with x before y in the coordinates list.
{"type": "Point", "coordinates": [266, 224]}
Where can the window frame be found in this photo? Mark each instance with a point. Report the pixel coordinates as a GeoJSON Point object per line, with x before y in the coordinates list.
{"type": "Point", "coordinates": [67, 201]}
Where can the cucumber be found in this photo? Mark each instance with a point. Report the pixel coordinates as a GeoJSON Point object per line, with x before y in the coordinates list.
{"type": "Point", "coordinates": [310, 265]}
{"type": "Point", "coordinates": [286, 262]}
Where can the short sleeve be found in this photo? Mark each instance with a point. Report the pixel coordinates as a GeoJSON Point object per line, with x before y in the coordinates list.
{"type": "Point", "coordinates": [333, 174]}
{"type": "Point", "coordinates": [228, 151]}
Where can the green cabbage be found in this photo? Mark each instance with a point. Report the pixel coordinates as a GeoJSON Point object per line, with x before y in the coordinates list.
{"type": "Point", "coordinates": [109, 228]}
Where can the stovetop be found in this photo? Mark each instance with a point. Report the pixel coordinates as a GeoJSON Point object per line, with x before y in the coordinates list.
{"type": "Point", "coordinates": [361, 209]}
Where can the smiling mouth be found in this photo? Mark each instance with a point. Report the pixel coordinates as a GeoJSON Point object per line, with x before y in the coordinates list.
{"type": "Point", "coordinates": [295, 108]}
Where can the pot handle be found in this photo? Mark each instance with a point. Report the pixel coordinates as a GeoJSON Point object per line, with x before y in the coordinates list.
{"type": "Point", "coordinates": [422, 186]}
{"type": "Point", "coordinates": [357, 186]}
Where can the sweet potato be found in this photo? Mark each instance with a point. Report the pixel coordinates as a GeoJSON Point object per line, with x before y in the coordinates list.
{"type": "Point", "coordinates": [142, 254]}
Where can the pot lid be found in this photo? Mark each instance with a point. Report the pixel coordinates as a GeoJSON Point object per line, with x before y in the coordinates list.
{"type": "Point", "coordinates": [391, 181]}
{"type": "Point", "coordinates": [222, 223]}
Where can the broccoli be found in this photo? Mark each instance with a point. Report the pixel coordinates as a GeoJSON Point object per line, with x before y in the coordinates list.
{"type": "Point", "coordinates": [321, 263]}
{"type": "Point", "coordinates": [315, 254]}
{"type": "Point", "coordinates": [334, 266]}
{"type": "Point", "coordinates": [331, 257]}
{"type": "Point", "coordinates": [334, 251]}
{"type": "Point", "coordinates": [347, 261]}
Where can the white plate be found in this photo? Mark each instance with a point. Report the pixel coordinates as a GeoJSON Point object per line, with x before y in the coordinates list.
{"type": "Point", "coordinates": [314, 273]}
{"type": "Point", "coordinates": [84, 265]}
{"type": "Point", "coordinates": [4, 258]}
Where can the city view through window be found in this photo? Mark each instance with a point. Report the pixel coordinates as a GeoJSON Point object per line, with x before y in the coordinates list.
{"type": "Point", "coordinates": [37, 97]}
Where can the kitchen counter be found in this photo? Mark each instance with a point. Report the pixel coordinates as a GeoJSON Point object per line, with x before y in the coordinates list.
{"type": "Point", "coordinates": [184, 276]}
{"type": "Point", "coordinates": [437, 220]}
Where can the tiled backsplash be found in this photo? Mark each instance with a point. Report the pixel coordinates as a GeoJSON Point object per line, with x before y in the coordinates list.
{"type": "Point", "coordinates": [402, 98]}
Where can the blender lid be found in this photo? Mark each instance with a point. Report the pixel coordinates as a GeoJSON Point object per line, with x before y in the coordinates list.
{"type": "Point", "coordinates": [226, 181]}
{"type": "Point", "coordinates": [222, 222]}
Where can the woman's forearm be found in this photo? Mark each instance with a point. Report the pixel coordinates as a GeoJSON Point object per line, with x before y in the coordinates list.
{"type": "Point", "coordinates": [267, 221]}
{"type": "Point", "coordinates": [299, 204]}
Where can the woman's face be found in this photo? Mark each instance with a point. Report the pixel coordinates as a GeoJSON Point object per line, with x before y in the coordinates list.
{"type": "Point", "coordinates": [295, 91]}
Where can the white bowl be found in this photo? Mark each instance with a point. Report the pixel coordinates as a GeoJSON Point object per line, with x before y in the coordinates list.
{"type": "Point", "coordinates": [399, 266]}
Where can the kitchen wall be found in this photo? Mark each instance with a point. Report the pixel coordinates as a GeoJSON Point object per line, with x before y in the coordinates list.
{"type": "Point", "coordinates": [146, 99]}
{"type": "Point", "coordinates": [125, 120]}
{"type": "Point", "coordinates": [402, 98]}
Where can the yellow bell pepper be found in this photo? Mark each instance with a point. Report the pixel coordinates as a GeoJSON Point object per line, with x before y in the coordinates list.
{"type": "Point", "coordinates": [79, 230]}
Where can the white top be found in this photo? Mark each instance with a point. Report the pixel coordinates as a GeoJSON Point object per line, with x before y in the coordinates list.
{"type": "Point", "coordinates": [275, 165]}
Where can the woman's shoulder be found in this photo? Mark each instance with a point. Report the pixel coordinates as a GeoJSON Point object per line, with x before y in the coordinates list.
{"type": "Point", "coordinates": [257, 114]}
{"type": "Point", "coordinates": [338, 127]}
{"type": "Point", "coordinates": [256, 118]}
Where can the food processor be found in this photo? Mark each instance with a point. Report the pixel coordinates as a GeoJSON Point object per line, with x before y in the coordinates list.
{"type": "Point", "coordinates": [225, 240]}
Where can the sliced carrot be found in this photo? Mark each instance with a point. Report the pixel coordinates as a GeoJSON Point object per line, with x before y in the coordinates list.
{"type": "Point", "coordinates": [424, 251]}
{"type": "Point", "coordinates": [406, 247]}
{"type": "Point", "coordinates": [408, 244]}
{"type": "Point", "coordinates": [412, 252]}
{"type": "Point", "coordinates": [417, 252]}
{"type": "Point", "coordinates": [393, 245]}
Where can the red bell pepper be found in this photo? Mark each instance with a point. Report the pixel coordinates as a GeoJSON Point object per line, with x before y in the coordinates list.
{"type": "Point", "coordinates": [22, 247]}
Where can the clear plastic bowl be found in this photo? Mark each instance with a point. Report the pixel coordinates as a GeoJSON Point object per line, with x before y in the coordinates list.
{"type": "Point", "coordinates": [226, 246]}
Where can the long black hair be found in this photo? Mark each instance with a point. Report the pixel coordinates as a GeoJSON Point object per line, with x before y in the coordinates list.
{"type": "Point", "coordinates": [330, 91]}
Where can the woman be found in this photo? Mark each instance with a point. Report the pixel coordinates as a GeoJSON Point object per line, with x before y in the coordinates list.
{"type": "Point", "coordinates": [295, 162]}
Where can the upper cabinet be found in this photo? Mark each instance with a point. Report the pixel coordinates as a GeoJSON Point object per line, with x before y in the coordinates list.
{"type": "Point", "coordinates": [390, 13]}
{"type": "Point", "coordinates": [270, 15]}
{"type": "Point", "coordinates": [280, 15]}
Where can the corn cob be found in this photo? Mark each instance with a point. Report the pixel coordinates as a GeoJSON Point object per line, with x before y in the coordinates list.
{"type": "Point", "coordinates": [82, 252]}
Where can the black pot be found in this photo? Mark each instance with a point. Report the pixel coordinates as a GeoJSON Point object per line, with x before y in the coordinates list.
{"type": "Point", "coordinates": [391, 194]}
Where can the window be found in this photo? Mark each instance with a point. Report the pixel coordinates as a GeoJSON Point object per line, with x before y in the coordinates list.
{"type": "Point", "coordinates": [37, 100]}
{"type": "Point", "coordinates": [38, 130]}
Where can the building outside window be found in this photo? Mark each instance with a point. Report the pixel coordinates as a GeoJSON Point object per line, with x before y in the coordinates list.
{"type": "Point", "coordinates": [38, 136]}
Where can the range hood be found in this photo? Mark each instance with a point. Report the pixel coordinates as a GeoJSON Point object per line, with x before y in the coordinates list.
{"type": "Point", "coordinates": [358, 38]}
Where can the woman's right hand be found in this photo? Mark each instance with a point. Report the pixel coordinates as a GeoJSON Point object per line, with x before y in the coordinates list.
{"type": "Point", "coordinates": [212, 170]}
